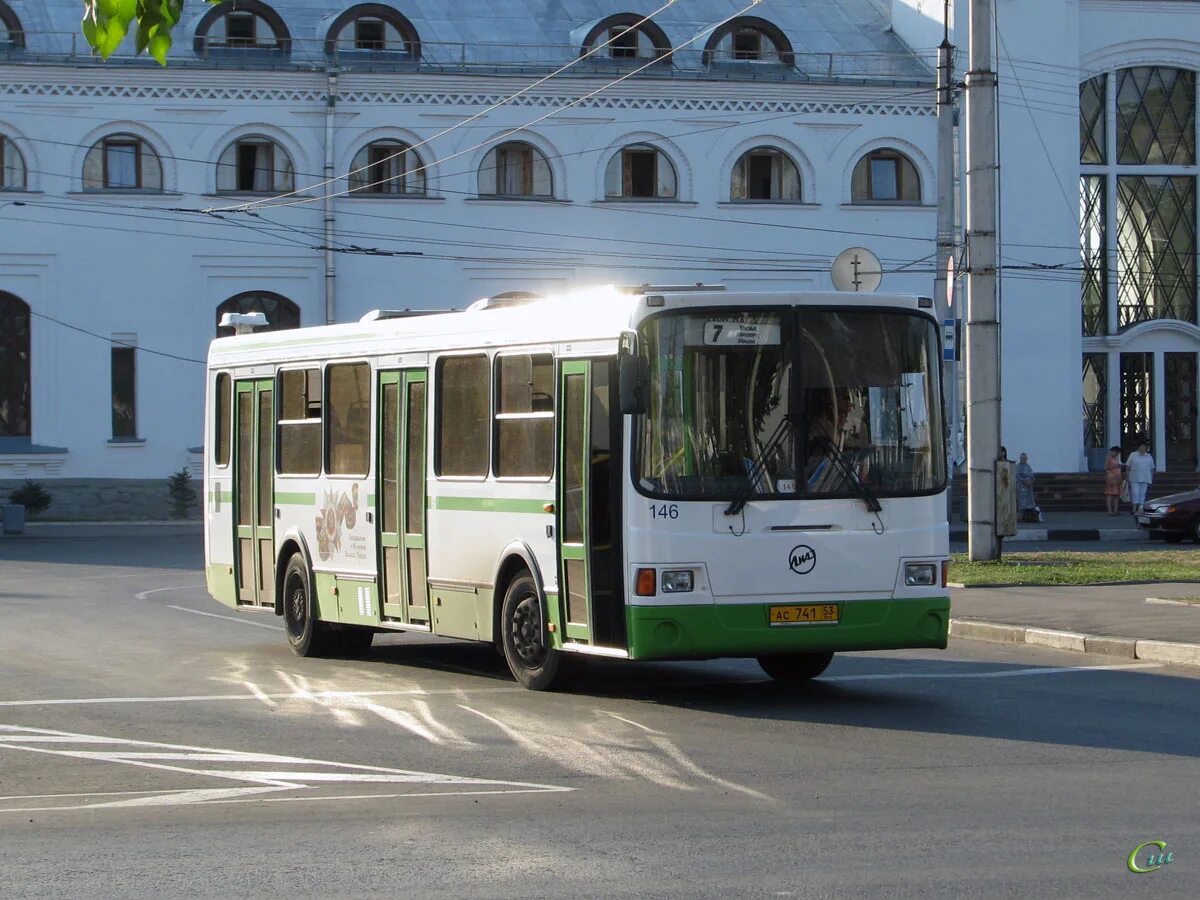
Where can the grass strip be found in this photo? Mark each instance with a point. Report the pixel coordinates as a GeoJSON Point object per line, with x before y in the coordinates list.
{"type": "Point", "coordinates": [1066, 567]}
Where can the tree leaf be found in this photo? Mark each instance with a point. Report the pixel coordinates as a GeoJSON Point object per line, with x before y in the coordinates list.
{"type": "Point", "coordinates": [159, 45]}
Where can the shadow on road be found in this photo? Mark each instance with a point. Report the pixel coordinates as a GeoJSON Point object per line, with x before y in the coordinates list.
{"type": "Point", "coordinates": [151, 551]}
{"type": "Point", "coordinates": [954, 697]}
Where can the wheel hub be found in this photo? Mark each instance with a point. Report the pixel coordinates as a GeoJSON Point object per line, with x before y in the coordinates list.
{"type": "Point", "coordinates": [527, 632]}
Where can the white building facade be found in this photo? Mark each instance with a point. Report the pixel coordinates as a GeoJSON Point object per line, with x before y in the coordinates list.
{"type": "Point", "coordinates": [1098, 176]}
{"type": "Point", "coordinates": [318, 160]}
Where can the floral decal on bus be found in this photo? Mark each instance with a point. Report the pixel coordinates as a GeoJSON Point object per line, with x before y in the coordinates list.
{"type": "Point", "coordinates": [339, 511]}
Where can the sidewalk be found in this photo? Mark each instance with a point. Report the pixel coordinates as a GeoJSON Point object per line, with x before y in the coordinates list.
{"type": "Point", "coordinates": [1117, 620]}
{"type": "Point", "coordinates": [1066, 526]}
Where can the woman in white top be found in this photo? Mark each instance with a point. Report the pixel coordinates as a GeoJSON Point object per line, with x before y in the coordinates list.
{"type": "Point", "coordinates": [1139, 472]}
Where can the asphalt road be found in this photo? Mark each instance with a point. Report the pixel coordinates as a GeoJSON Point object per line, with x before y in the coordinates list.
{"type": "Point", "coordinates": [153, 743]}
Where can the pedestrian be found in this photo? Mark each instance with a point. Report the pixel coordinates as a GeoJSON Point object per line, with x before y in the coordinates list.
{"type": "Point", "coordinates": [1004, 454]}
{"type": "Point", "coordinates": [1112, 480]}
{"type": "Point", "coordinates": [1139, 469]}
{"type": "Point", "coordinates": [1027, 508]}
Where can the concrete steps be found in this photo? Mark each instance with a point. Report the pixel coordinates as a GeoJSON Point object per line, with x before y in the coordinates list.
{"type": "Point", "coordinates": [1084, 491]}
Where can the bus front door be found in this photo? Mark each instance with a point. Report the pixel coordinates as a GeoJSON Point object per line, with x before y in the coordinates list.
{"type": "Point", "coordinates": [591, 602]}
{"type": "Point", "coordinates": [401, 492]}
{"type": "Point", "coordinates": [254, 498]}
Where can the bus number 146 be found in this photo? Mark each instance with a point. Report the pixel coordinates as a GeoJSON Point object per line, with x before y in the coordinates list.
{"type": "Point", "coordinates": [664, 511]}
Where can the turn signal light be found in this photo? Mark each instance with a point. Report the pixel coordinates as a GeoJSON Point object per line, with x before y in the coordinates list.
{"type": "Point", "coordinates": [945, 572]}
{"type": "Point", "coordinates": [645, 586]}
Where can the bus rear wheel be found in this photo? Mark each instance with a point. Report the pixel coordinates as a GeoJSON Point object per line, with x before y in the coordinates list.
{"type": "Point", "coordinates": [795, 667]}
{"type": "Point", "coordinates": [523, 634]}
{"type": "Point", "coordinates": [306, 635]}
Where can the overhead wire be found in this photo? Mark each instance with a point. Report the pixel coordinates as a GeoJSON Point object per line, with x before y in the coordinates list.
{"type": "Point", "coordinates": [483, 112]}
{"type": "Point", "coordinates": [266, 204]}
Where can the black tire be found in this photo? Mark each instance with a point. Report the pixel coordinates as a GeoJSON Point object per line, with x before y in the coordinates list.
{"type": "Point", "coordinates": [795, 667]}
{"type": "Point", "coordinates": [523, 635]}
{"type": "Point", "coordinates": [306, 635]}
{"type": "Point", "coordinates": [1173, 537]}
{"type": "Point", "coordinates": [1194, 530]}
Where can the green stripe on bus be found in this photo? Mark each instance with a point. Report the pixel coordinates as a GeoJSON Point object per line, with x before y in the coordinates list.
{"type": "Point", "coordinates": [288, 499]}
{"type": "Point", "coordinates": [371, 501]}
{"type": "Point", "coordinates": [221, 496]}
{"type": "Point", "coordinates": [487, 504]}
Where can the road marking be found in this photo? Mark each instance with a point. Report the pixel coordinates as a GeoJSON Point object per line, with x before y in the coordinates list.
{"type": "Point", "coordinates": [633, 723]}
{"type": "Point", "coordinates": [142, 595]}
{"type": "Point", "coordinates": [197, 612]}
{"type": "Point", "coordinates": [290, 695]}
{"type": "Point", "coordinates": [258, 773]}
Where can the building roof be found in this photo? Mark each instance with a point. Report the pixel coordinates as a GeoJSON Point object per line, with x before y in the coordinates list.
{"type": "Point", "coordinates": [829, 38]}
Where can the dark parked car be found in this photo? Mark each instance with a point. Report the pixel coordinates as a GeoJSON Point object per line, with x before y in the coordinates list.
{"type": "Point", "coordinates": [1174, 517]}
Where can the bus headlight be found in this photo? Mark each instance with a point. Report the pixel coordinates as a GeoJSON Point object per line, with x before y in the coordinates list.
{"type": "Point", "coordinates": [920, 574]}
{"type": "Point", "coordinates": [678, 581]}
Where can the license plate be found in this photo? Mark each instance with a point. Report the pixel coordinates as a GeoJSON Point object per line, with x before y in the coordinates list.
{"type": "Point", "coordinates": [809, 614]}
{"type": "Point", "coordinates": [1143, 520]}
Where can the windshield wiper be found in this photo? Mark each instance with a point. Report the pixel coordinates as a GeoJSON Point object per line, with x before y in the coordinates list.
{"type": "Point", "coordinates": [758, 465]}
{"type": "Point", "coordinates": [834, 455]}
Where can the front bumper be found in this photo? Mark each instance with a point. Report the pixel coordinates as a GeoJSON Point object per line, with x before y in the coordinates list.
{"type": "Point", "coordinates": [741, 630]}
{"type": "Point", "coordinates": [1160, 522]}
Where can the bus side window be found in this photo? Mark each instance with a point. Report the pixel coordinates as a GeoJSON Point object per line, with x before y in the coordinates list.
{"type": "Point", "coordinates": [348, 408]}
{"type": "Point", "coordinates": [299, 425]}
{"type": "Point", "coordinates": [224, 400]}
{"type": "Point", "coordinates": [463, 414]}
{"type": "Point", "coordinates": [525, 416]}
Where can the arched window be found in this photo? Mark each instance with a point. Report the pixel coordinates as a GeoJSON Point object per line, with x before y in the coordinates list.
{"type": "Point", "coordinates": [254, 165]}
{"type": "Point", "coordinates": [242, 25]}
{"type": "Point", "coordinates": [646, 41]}
{"type": "Point", "coordinates": [15, 412]}
{"type": "Point", "coordinates": [885, 176]}
{"type": "Point", "coordinates": [11, 33]}
{"type": "Point", "coordinates": [373, 28]}
{"type": "Point", "coordinates": [765, 173]}
{"type": "Point", "coordinates": [640, 172]}
{"type": "Point", "coordinates": [12, 166]}
{"type": "Point", "coordinates": [281, 312]}
{"type": "Point", "coordinates": [387, 167]}
{"type": "Point", "coordinates": [122, 162]}
{"type": "Point", "coordinates": [749, 39]}
{"type": "Point", "coordinates": [515, 169]}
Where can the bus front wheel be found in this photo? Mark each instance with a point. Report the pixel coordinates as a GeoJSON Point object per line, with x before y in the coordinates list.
{"type": "Point", "coordinates": [523, 634]}
{"type": "Point", "coordinates": [795, 667]}
{"type": "Point", "coordinates": [306, 635]}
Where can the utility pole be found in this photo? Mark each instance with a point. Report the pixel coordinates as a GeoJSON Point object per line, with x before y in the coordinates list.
{"type": "Point", "coordinates": [983, 320]}
{"type": "Point", "coordinates": [328, 220]}
{"type": "Point", "coordinates": [943, 283]}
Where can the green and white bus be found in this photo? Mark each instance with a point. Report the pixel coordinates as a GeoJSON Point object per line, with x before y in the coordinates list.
{"type": "Point", "coordinates": [649, 473]}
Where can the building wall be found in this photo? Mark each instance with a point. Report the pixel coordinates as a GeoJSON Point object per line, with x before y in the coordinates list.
{"type": "Point", "coordinates": [152, 268]}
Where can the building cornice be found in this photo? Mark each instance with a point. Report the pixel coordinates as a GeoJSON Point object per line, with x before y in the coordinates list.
{"type": "Point", "coordinates": [438, 90]}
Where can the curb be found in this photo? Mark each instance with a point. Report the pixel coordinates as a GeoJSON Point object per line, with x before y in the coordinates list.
{"type": "Point", "coordinates": [1168, 652]}
{"type": "Point", "coordinates": [1029, 535]}
{"type": "Point", "coordinates": [991, 585]}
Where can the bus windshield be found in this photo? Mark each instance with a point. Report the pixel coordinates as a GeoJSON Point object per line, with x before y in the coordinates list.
{"type": "Point", "coordinates": [791, 402]}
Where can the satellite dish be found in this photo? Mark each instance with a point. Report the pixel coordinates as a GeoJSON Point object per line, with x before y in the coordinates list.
{"type": "Point", "coordinates": [857, 269]}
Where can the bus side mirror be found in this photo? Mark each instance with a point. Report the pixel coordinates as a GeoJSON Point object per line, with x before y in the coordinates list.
{"type": "Point", "coordinates": [632, 377]}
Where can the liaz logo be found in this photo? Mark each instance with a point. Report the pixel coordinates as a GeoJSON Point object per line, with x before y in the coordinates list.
{"type": "Point", "coordinates": [802, 559]}
{"type": "Point", "coordinates": [1149, 861]}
